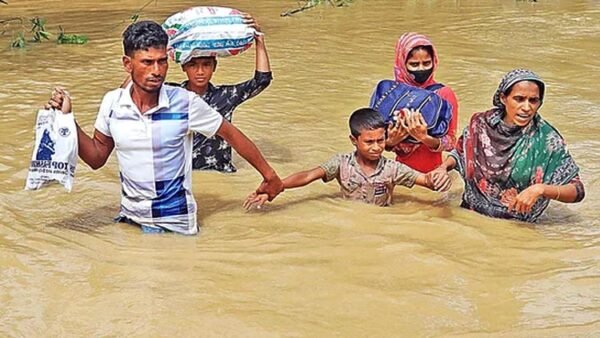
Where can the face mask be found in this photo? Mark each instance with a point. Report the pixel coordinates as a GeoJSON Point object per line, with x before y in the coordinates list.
{"type": "Point", "coordinates": [421, 75]}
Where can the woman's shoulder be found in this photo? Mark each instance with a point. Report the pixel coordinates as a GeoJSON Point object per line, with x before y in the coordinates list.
{"type": "Point", "coordinates": [490, 116]}
{"type": "Point", "coordinates": [547, 128]}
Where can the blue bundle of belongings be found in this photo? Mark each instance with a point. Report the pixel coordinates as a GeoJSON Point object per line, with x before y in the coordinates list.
{"type": "Point", "coordinates": [391, 96]}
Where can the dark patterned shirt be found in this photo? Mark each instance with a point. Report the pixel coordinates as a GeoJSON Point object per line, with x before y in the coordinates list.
{"type": "Point", "coordinates": [214, 153]}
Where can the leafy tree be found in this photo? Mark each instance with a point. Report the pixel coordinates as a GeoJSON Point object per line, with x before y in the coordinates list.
{"type": "Point", "coordinates": [36, 33]}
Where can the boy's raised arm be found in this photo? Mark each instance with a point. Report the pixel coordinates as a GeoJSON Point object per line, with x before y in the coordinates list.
{"type": "Point", "coordinates": [262, 57]}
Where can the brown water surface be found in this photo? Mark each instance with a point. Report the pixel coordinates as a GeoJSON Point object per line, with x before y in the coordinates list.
{"type": "Point", "coordinates": [309, 264]}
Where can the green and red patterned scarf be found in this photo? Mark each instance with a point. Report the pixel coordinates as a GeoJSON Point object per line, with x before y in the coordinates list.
{"type": "Point", "coordinates": [501, 160]}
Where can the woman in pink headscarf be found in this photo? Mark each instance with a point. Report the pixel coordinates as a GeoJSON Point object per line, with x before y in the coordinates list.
{"type": "Point", "coordinates": [416, 63]}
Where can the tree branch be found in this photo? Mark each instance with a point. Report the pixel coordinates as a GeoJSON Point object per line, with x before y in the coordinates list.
{"type": "Point", "coordinates": [308, 5]}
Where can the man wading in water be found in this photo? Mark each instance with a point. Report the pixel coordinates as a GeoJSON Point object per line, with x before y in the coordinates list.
{"type": "Point", "coordinates": [151, 125]}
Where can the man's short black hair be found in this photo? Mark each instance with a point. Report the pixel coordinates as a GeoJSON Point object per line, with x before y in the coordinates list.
{"type": "Point", "coordinates": [365, 119]}
{"type": "Point", "coordinates": [143, 35]}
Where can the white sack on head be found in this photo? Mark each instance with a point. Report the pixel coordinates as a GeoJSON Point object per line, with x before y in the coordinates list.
{"type": "Point", "coordinates": [207, 31]}
{"type": "Point", "coordinates": [55, 151]}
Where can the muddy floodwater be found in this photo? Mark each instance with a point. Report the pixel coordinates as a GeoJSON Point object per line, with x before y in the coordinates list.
{"type": "Point", "coordinates": [309, 264]}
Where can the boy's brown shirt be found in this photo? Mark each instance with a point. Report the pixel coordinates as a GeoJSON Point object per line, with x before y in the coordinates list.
{"type": "Point", "coordinates": [376, 188]}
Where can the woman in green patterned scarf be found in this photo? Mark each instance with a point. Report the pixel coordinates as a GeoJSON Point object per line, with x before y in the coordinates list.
{"type": "Point", "coordinates": [513, 162]}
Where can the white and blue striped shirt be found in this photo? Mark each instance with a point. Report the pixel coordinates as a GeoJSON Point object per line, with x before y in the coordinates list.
{"type": "Point", "coordinates": [154, 151]}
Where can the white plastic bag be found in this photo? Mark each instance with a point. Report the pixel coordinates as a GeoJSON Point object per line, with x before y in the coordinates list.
{"type": "Point", "coordinates": [207, 31]}
{"type": "Point", "coordinates": [55, 151]}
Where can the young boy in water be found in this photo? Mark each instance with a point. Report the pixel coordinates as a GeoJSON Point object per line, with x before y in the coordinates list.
{"type": "Point", "coordinates": [213, 153]}
{"type": "Point", "coordinates": [363, 175]}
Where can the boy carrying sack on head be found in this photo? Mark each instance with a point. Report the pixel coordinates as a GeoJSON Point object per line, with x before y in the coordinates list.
{"type": "Point", "coordinates": [363, 175]}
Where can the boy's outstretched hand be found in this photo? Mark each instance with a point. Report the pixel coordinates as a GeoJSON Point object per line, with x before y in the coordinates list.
{"type": "Point", "coordinates": [271, 185]}
{"type": "Point", "coordinates": [255, 200]}
{"type": "Point", "coordinates": [439, 178]}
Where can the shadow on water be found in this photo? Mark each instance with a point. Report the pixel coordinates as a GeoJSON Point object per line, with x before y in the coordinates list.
{"type": "Point", "coordinates": [90, 221]}
{"type": "Point", "coordinates": [210, 204]}
{"type": "Point", "coordinates": [281, 206]}
{"type": "Point", "coordinates": [559, 214]}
